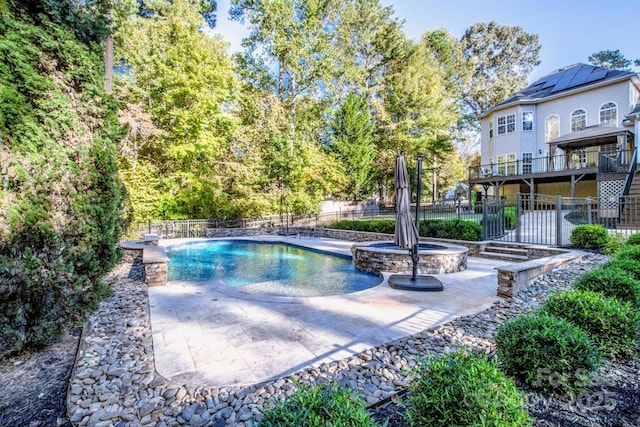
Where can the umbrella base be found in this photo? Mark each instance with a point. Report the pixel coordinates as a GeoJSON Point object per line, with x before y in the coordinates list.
{"type": "Point", "coordinates": [421, 283]}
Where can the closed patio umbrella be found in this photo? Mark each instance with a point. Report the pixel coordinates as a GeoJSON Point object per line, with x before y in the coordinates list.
{"type": "Point", "coordinates": [406, 234]}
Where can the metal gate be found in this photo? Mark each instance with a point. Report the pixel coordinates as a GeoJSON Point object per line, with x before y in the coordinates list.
{"type": "Point", "coordinates": [493, 219]}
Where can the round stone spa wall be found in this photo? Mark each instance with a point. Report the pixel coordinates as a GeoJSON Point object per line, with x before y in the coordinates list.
{"type": "Point", "coordinates": [446, 259]}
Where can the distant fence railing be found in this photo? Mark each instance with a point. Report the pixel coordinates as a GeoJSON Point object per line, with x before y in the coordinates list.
{"type": "Point", "coordinates": [174, 229]}
{"type": "Point", "coordinates": [541, 219]}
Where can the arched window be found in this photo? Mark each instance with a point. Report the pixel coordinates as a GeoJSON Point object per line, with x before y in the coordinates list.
{"type": "Point", "coordinates": [552, 127]}
{"type": "Point", "coordinates": [609, 115]}
{"type": "Point", "coordinates": [578, 120]}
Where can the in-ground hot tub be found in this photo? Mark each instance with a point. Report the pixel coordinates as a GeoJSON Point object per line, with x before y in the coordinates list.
{"type": "Point", "coordinates": [434, 258]}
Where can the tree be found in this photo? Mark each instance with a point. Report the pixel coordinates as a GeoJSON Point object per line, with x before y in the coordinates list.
{"type": "Point", "coordinates": [369, 39]}
{"type": "Point", "coordinates": [611, 59]}
{"type": "Point", "coordinates": [287, 65]}
{"type": "Point", "coordinates": [352, 143]}
{"type": "Point", "coordinates": [289, 49]}
{"type": "Point", "coordinates": [500, 59]}
{"type": "Point", "coordinates": [421, 111]}
{"type": "Point", "coordinates": [184, 80]}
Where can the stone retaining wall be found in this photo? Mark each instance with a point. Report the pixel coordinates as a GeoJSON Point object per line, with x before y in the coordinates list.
{"type": "Point", "coordinates": [437, 261]}
{"type": "Point", "coordinates": [147, 252]}
{"type": "Point", "coordinates": [513, 278]}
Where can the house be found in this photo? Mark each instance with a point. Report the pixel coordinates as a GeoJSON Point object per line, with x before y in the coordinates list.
{"type": "Point", "coordinates": [572, 133]}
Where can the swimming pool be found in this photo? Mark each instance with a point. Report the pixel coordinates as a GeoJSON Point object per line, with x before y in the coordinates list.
{"type": "Point", "coordinates": [267, 268]}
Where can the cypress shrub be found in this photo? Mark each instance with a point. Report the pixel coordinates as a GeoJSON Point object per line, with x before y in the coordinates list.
{"type": "Point", "coordinates": [61, 206]}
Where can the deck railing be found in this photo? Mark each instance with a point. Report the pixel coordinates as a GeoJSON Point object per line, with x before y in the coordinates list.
{"type": "Point", "coordinates": [603, 163]}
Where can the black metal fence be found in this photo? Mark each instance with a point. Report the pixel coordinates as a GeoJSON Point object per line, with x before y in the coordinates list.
{"type": "Point", "coordinates": [541, 219]}
{"type": "Point", "coordinates": [550, 220]}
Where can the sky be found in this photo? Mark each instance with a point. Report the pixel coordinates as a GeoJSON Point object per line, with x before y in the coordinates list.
{"type": "Point", "coordinates": [568, 30]}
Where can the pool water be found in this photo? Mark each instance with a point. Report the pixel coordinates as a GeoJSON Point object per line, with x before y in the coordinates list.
{"type": "Point", "coordinates": [267, 268]}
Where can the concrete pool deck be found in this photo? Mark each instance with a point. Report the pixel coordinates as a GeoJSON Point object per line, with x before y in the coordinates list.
{"type": "Point", "coordinates": [211, 334]}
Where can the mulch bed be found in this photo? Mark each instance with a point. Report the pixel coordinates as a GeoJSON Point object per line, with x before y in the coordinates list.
{"type": "Point", "coordinates": [613, 401]}
{"type": "Point", "coordinates": [33, 385]}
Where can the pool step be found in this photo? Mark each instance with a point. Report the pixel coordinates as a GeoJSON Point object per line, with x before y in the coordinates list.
{"type": "Point", "coordinates": [507, 252]}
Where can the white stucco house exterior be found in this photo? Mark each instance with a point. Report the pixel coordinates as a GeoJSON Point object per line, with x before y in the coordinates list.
{"type": "Point", "coordinates": [573, 133]}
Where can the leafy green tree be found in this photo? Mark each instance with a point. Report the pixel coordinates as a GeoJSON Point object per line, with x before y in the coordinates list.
{"type": "Point", "coordinates": [353, 145]}
{"type": "Point", "coordinates": [500, 58]}
{"type": "Point", "coordinates": [287, 65]}
{"type": "Point", "coordinates": [369, 40]}
{"type": "Point", "coordinates": [421, 114]}
{"type": "Point", "coordinates": [184, 80]}
{"type": "Point", "coordinates": [289, 50]}
{"type": "Point", "coordinates": [611, 59]}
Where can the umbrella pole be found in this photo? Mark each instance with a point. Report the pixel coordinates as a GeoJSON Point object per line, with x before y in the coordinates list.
{"type": "Point", "coordinates": [414, 251]}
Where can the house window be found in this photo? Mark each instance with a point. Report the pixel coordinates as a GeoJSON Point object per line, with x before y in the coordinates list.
{"type": "Point", "coordinates": [609, 115]}
{"type": "Point", "coordinates": [578, 120]}
{"type": "Point", "coordinates": [527, 120]}
{"type": "Point", "coordinates": [552, 127]}
{"type": "Point", "coordinates": [490, 128]}
{"type": "Point", "coordinates": [502, 167]}
{"type": "Point", "coordinates": [506, 124]}
{"type": "Point", "coordinates": [511, 164]}
{"type": "Point", "coordinates": [527, 161]}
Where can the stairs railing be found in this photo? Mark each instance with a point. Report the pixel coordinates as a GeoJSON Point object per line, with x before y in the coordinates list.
{"type": "Point", "coordinates": [628, 180]}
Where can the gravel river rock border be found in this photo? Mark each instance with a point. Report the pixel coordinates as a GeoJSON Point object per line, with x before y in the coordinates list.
{"type": "Point", "coordinates": [114, 382]}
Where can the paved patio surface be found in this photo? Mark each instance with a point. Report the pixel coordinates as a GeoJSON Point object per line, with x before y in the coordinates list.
{"type": "Point", "coordinates": [212, 334]}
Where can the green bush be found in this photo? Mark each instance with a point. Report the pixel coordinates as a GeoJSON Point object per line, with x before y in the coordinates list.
{"type": "Point", "coordinates": [627, 265]}
{"type": "Point", "coordinates": [443, 229]}
{"type": "Point", "coordinates": [615, 243]}
{"type": "Point", "coordinates": [612, 324]}
{"type": "Point", "coordinates": [612, 282]}
{"type": "Point", "coordinates": [464, 389]}
{"type": "Point", "coordinates": [634, 239]}
{"type": "Point", "coordinates": [432, 227]}
{"type": "Point", "coordinates": [387, 226]}
{"type": "Point", "coordinates": [547, 353]}
{"type": "Point", "coordinates": [509, 217]}
{"type": "Point", "coordinates": [319, 406]}
{"type": "Point", "coordinates": [630, 252]}
{"type": "Point", "coordinates": [455, 229]}
{"type": "Point", "coordinates": [589, 236]}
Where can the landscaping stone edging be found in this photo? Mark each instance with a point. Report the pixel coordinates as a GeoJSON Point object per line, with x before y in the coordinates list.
{"type": "Point", "coordinates": [115, 382]}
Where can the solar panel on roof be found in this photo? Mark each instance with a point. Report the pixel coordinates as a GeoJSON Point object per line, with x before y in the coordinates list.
{"type": "Point", "coordinates": [552, 80]}
{"type": "Point", "coordinates": [581, 77]}
{"type": "Point", "coordinates": [597, 75]}
{"type": "Point", "coordinates": [565, 80]}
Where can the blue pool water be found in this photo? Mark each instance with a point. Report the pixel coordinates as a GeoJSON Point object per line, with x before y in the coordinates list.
{"type": "Point", "coordinates": [267, 268]}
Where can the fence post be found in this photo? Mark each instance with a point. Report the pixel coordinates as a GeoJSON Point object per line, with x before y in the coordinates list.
{"type": "Point", "coordinates": [518, 213]}
{"type": "Point", "coordinates": [589, 220]}
{"type": "Point", "coordinates": [485, 224]}
{"type": "Point", "coordinates": [558, 220]}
